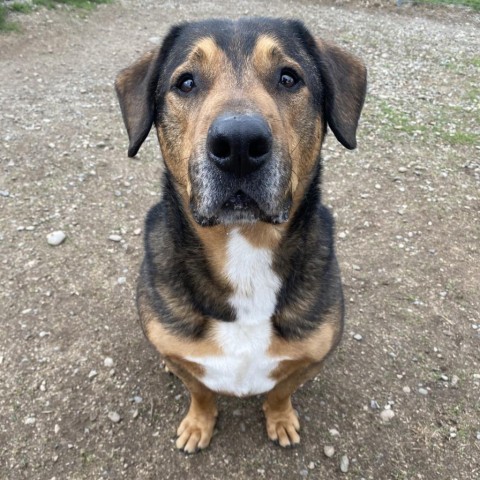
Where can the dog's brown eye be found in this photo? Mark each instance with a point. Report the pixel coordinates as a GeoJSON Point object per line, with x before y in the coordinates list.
{"type": "Point", "coordinates": [186, 84]}
{"type": "Point", "coordinates": [288, 78]}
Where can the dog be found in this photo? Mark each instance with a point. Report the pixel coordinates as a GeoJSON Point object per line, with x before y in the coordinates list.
{"type": "Point", "coordinates": [240, 289]}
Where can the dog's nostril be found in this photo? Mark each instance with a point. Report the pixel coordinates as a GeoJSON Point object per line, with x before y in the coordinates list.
{"type": "Point", "coordinates": [220, 147]}
{"type": "Point", "coordinates": [259, 146]}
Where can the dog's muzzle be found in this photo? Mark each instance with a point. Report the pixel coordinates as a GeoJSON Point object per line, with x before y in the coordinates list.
{"type": "Point", "coordinates": [240, 179]}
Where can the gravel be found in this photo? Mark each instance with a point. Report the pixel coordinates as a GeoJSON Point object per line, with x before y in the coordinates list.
{"type": "Point", "coordinates": [55, 238]}
{"type": "Point", "coordinates": [421, 114]}
{"type": "Point", "coordinates": [387, 415]}
{"type": "Point", "coordinates": [329, 451]}
{"type": "Point", "coordinates": [344, 464]}
{"type": "Point", "coordinates": [108, 362]}
{"type": "Point", "coordinates": [114, 417]}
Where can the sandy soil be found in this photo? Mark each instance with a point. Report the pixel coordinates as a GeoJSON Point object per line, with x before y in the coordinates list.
{"type": "Point", "coordinates": [407, 208]}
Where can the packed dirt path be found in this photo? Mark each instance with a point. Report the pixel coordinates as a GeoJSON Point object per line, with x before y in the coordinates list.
{"type": "Point", "coordinates": [408, 234]}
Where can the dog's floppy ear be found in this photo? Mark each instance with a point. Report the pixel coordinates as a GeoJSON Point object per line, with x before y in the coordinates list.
{"type": "Point", "coordinates": [135, 87]}
{"type": "Point", "coordinates": [345, 80]}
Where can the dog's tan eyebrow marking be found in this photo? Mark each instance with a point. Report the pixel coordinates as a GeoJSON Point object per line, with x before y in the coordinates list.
{"type": "Point", "coordinates": [205, 50]}
{"type": "Point", "coordinates": [268, 52]}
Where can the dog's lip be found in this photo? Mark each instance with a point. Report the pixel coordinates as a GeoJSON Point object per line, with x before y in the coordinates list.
{"type": "Point", "coordinates": [240, 201]}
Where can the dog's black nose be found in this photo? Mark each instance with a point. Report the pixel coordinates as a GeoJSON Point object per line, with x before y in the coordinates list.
{"type": "Point", "coordinates": [239, 144]}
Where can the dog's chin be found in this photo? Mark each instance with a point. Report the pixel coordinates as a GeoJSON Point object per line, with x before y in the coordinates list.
{"type": "Point", "coordinates": [240, 209]}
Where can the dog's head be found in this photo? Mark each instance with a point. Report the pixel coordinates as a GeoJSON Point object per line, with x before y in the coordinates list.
{"type": "Point", "coordinates": [241, 108]}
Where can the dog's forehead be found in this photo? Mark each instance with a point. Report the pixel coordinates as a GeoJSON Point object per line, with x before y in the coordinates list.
{"type": "Point", "coordinates": [238, 39]}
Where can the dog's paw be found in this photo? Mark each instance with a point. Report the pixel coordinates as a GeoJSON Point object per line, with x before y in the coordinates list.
{"type": "Point", "coordinates": [195, 432]}
{"type": "Point", "coordinates": [282, 426]}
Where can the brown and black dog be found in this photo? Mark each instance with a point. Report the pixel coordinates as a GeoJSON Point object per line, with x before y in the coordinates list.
{"type": "Point", "coordinates": [240, 289]}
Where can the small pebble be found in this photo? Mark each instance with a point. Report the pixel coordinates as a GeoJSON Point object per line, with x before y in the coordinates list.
{"type": "Point", "coordinates": [56, 429]}
{"type": "Point", "coordinates": [311, 466]}
{"type": "Point", "coordinates": [478, 435]}
{"type": "Point", "coordinates": [114, 417]}
{"type": "Point", "coordinates": [155, 40]}
{"type": "Point", "coordinates": [444, 378]}
{"type": "Point", "coordinates": [455, 380]}
{"type": "Point", "coordinates": [121, 280]}
{"type": "Point", "coordinates": [387, 415]}
{"type": "Point", "coordinates": [115, 238]}
{"type": "Point", "coordinates": [4, 193]}
{"type": "Point", "coordinates": [406, 389]}
{"type": "Point", "coordinates": [374, 405]}
{"type": "Point", "coordinates": [137, 399]}
{"type": "Point", "coordinates": [344, 464]}
{"type": "Point", "coordinates": [423, 391]}
{"type": "Point", "coordinates": [92, 374]}
{"type": "Point", "coordinates": [56, 238]}
{"type": "Point", "coordinates": [334, 432]}
{"type": "Point", "coordinates": [303, 473]}
{"type": "Point", "coordinates": [29, 421]}
{"type": "Point", "coordinates": [329, 451]}
{"type": "Point", "coordinates": [137, 231]}
{"type": "Point", "coordinates": [108, 362]}
{"type": "Point", "coordinates": [358, 337]}
{"type": "Point", "coordinates": [402, 169]}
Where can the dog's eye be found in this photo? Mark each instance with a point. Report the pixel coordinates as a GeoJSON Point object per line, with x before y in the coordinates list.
{"type": "Point", "coordinates": [288, 78]}
{"type": "Point", "coordinates": [186, 84]}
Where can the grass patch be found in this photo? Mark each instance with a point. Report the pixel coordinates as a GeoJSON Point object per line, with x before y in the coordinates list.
{"type": "Point", "coordinates": [392, 119]}
{"type": "Point", "coordinates": [84, 4]}
{"type": "Point", "coordinates": [20, 7]}
{"type": "Point", "coordinates": [474, 4]}
{"type": "Point", "coordinates": [5, 25]}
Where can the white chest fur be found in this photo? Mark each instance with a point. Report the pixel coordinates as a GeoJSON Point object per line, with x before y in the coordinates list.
{"type": "Point", "coordinates": [244, 367]}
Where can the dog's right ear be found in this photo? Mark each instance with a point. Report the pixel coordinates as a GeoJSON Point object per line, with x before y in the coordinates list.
{"type": "Point", "coordinates": [136, 86]}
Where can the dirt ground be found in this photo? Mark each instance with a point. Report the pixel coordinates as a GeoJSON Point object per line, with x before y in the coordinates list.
{"type": "Point", "coordinates": [407, 205]}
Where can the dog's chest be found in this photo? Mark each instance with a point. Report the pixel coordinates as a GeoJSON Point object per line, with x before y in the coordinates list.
{"type": "Point", "coordinates": [244, 368]}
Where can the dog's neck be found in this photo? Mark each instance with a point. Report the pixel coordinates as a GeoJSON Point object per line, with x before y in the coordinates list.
{"type": "Point", "coordinates": [212, 241]}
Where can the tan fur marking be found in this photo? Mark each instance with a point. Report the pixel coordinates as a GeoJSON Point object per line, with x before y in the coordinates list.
{"type": "Point", "coordinates": [196, 429]}
{"type": "Point", "coordinates": [214, 241]}
{"type": "Point", "coordinates": [266, 53]}
{"type": "Point", "coordinates": [170, 345]}
{"type": "Point", "coordinates": [314, 348]}
{"type": "Point", "coordinates": [205, 50]}
{"type": "Point", "coordinates": [263, 235]}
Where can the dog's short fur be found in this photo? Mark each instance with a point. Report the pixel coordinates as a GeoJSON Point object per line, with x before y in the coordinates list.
{"type": "Point", "coordinates": [240, 289]}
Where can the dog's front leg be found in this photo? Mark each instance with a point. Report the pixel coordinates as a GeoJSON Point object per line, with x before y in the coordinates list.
{"type": "Point", "coordinates": [281, 419]}
{"type": "Point", "coordinates": [196, 429]}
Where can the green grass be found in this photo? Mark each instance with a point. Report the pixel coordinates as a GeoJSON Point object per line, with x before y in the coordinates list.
{"type": "Point", "coordinates": [396, 120]}
{"type": "Point", "coordinates": [18, 7]}
{"type": "Point", "coordinates": [84, 4]}
{"type": "Point", "coordinates": [475, 4]}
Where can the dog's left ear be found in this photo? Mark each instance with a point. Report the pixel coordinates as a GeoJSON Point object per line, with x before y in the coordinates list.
{"type": "Point", "coordinates": [135, 87]}
{"type": "Point", "coordinates": [345, 80]}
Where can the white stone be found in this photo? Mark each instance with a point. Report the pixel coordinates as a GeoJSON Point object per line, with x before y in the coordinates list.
{"type": "Point", "coordinates": [329, 451]}
{"type": "Point", "coordinates": [114, 417]}
{"type": "Point", "coordinates": [344, 464]}
{"type": "Point", "coordinates": [56, 238]}
{"type": "Point", "coordinates": [108, 362]}
{"type": "Point", "coordinates": [387, 415]}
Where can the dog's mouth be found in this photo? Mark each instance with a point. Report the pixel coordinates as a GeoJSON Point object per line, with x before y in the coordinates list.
{"type": "Point", "coordinates": [239, 202]}
{"type": "Point", "coordinates": [241, 208]}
